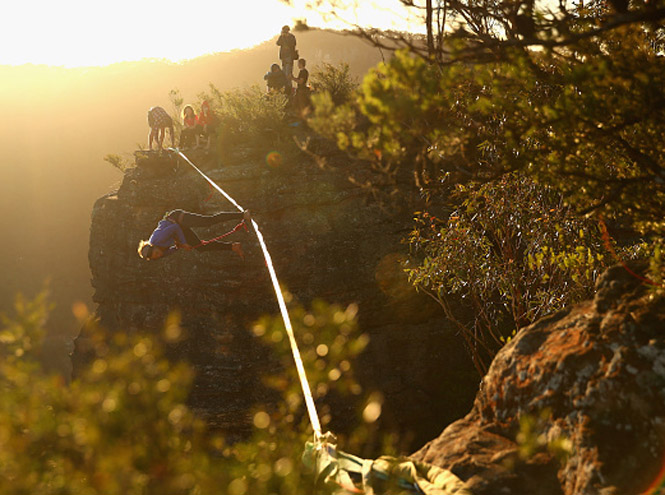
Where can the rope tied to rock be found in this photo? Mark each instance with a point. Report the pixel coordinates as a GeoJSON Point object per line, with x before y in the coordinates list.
{"type": "Point", "coordinates": [304, 384]}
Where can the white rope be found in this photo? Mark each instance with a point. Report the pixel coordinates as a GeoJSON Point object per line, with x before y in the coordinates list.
{"type": "Point", "coordinates": [309, 401]}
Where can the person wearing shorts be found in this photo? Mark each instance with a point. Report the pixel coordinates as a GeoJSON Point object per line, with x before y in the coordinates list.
{"type": "Point", "coordinates": [158, 120]}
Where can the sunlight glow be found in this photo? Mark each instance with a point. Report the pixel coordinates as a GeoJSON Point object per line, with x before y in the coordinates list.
{"type": "Point", "coordinates": [75, 33]}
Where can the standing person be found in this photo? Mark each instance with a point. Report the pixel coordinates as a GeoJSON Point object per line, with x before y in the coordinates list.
{"type": "Point", "coordinates": [174, 231]}
{"type": "Point", "coordinates": [208, 123]}
{"type": "Point", "coordinates": [302, 90]}
{"type": "Point", "coordinates": [190, 128]}
{"type": "Point", "coordinates": [158, 120]}
{"type": "Point", "coordinates": [287, 53]}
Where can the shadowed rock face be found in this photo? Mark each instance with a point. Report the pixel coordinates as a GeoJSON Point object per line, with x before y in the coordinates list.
{"type": "Point", "coordinates": [326, 240]}
{"type": "Point", "coordinates": [599, 369]}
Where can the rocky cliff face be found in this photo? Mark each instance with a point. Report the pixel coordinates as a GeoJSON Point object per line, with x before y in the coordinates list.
{"type": "Point", "coordinates": [327, 241]}
{"type": "Point", "coordinates": [595, 376]}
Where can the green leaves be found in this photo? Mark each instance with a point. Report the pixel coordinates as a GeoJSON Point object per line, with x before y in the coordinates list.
{"type": "Point", "coordinates": [124, 427]}
{"type": "Point", "coordinates": [512, 252]}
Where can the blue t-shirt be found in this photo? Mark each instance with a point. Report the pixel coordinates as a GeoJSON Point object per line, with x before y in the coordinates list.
{"type": "Point", "coordinates": [166, 234]}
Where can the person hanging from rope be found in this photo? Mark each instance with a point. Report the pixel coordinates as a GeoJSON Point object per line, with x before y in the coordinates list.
{"type": "Point", "coordinates": [174, 232]}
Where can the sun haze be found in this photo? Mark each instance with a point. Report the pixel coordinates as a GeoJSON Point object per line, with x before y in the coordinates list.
{"type": "Point", "coordinates": [79, 33]}
{"type": "Point", "coordinates": [75, 33]}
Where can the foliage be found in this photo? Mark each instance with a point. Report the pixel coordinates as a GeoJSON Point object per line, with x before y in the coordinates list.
{"type": "Point", "coordinates": [117, 161]}
{"type": "Point", "coordinates": [583, 116]}
{"type": "Point", "coordinates": [490, 28]}
{"type": "Point", "coordinates": [329, 341]}
{"type": "Point", "coordinates": [177, 104]}
{"type": "Point", "coordinates": [301, 25]}
{"type": "Point", "coordinates": [513, 252]}
{"type": "Point", "coordinates": [532, 438]}
{"type": "Point", "coordinates": [124, 427]}
{"type": "Point", "coordinates": [335, 80]}
{"type": "Point", "coordinates": [589, 123]}
{"type": "Point", "coordinates": [248, 116]}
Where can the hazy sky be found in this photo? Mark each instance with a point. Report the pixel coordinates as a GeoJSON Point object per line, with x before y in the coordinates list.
{"type": "Point", "coordinates": [89, 32]}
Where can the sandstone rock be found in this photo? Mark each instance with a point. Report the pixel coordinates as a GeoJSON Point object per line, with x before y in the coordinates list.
{"type": "Point", "coordinates": [327, 241]}
{"type": "Point", "coordinates": [598, 370]}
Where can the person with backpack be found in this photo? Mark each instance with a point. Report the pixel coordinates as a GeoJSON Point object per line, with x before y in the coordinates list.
{"type": "Point", "coordinates": [174, 232]}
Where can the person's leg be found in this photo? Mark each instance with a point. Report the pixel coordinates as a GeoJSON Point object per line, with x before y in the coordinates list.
{"type": "Point", "coordinates": [187, 219]}
{"type": "Point", "coordinates": [187, 138]}
{"type": "Point", "coordinates": [160, 137]}
{"type": "Point", "coordinates": [171, 135]}
{"type": "Point", "coordinates": [152, 137]}
{"type": "Point", "coordinates": [191, 238]}
{"type": "Point", "coordinates": [216, 246]}
{"type": "Point", "coordinates": [197, 131]}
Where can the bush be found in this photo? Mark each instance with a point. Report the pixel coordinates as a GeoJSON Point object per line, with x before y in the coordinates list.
{"type": "Point", "coordinates": [124, 427]}
{"type": "Point", "coordinates": [512, 252]}
{"type": "Point", "coordinates": [248, 116]}
{"type": "Point", "coordinates": [334, 80]}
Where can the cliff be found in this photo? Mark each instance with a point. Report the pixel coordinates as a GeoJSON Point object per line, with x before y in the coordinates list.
{"type": "Point", "coordinates": [327, 241]}
{"type": "Point", "coordinates": [591, 379]}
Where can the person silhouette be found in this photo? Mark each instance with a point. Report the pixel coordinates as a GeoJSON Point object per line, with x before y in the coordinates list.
{"type": "Point", "coordinates": [287, 53]}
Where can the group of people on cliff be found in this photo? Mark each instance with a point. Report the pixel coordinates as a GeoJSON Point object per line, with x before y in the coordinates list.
{"type": "Point", "coordinates": [281, 79]}
{"type": "Point", "coordinates": [203, 125]}
{"type": "Point", "coordinates": [174, 230]}
{"type": "Point", "coordinates": [194, 127]}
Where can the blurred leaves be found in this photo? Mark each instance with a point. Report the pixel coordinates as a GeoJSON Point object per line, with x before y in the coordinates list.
{"type": "Point", "coordinates": [125, 428]}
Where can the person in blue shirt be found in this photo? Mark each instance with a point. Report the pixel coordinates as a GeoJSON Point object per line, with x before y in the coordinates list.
{"type": "Point", "coordinates": [174, 232]}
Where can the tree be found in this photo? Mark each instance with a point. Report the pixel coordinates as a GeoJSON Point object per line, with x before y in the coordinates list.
{"type": "Point", "coordinates": [567, 98]}
{"type": "Point", "coordinates": [511, 253]}
{"type": "Point", "coordinates": [124, 427]}
{"type": "Point", "coordinates": [587, 120]}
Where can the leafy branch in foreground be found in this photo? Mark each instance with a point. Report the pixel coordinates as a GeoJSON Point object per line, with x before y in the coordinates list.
{"type": "Point", "coordinates": [124, 427]}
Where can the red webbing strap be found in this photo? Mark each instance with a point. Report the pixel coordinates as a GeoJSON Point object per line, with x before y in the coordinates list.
{"type": "Point", "coordinates": [209, 194]}
{"type": "Point", "coordinates": [215, 239]}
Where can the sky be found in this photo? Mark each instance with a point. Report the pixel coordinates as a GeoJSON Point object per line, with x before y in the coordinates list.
{"type": "Point", "coordinates": [75, 33]}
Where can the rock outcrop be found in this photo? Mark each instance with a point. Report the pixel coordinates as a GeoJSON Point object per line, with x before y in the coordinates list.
{"type": "Point", "coordinates": [327, 241]}
{"type": "Point", "coordinates": [591, 378]}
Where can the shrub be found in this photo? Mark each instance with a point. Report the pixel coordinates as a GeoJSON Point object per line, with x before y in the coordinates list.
{"type": "Point", "coordinates": [124, 427]}
{"type": "Point", "coordinates": [248, 116]}
{"type": "Point", "coordinates": [334, 80]}
{"type": "Point", "coordinates": [512, 252]}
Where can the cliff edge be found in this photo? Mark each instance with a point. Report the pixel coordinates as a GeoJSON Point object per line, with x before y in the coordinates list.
{"type": "Point", "coordinates": [327, 242]}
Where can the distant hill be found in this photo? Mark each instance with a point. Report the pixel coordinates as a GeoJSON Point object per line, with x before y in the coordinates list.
{"type": "Point", "coordinates": [59, 124]}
